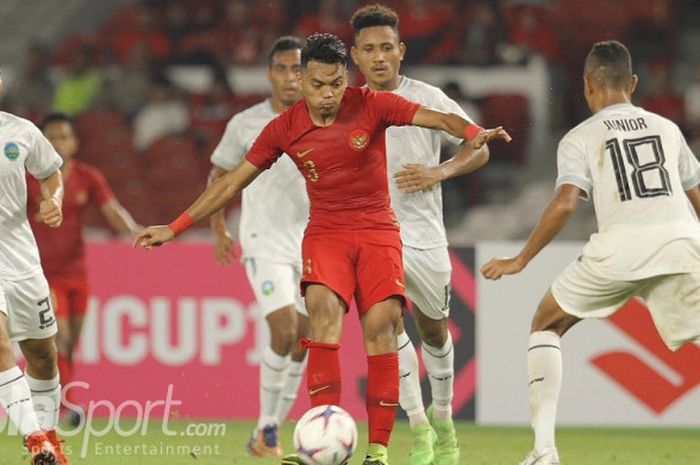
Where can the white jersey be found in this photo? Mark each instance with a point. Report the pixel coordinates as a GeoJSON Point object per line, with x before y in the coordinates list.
{"type": "Point", "coordinates": [419, 213]}
{"type": "Point", "coordinates": [24, 149]}
{"type": "Point", "coordinates": [275, 207]}
{"type": "Point", "coordinates": [636, 166]}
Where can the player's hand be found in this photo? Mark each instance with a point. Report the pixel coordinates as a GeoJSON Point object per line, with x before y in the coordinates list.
{"type": "Point", "coordinates": [415, 177]}
{"type": "Point", "coordinates": [488, 135]}
{"type": "Point", "coordinates": [224, 248]}
{"type": "Point", "coordinates": [498, 267]}
{"type": "Point", "coordinates": [50, 212]}
{"type": "Point", "coordinates": [153, 236]}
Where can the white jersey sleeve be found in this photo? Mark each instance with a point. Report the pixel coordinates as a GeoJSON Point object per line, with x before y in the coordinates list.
{"type": "Point", "coordinates": [231, 149]}
{"type": "Point", "coordinates": [572, 167]}
{"type": "Point", "coordinates": [688, 165]}
{"type": "Point", "coordinates": [42, 159]}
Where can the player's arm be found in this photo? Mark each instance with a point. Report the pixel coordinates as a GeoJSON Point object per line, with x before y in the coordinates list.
{"type": "Point", "coordinates": [52, 194]}
{"type": "Point", "coordinates": [457, 126]}
{"type": "Point", "coordinates": [224, 246]}
{"type": "Point", "coordinates": [694, 197]}
{"type": "Point", "coordinates": [119, 219]}
{"type": "Point", "coordinates": [214, 198]}
{"type": "Point", "coordinates": [415, 177]}
{"type": "Point", "coordinates": [553, 219]}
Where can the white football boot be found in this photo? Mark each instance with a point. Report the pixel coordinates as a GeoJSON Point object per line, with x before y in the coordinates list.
{"type": "Point", "coordinates": [546, 456]}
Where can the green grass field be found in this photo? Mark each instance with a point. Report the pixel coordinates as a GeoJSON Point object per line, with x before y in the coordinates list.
{"type": "Point", "coordinates": [480, 446]}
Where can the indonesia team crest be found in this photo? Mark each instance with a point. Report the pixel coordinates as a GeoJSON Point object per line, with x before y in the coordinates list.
{"type": "Point", "coordinates": [358, 139]}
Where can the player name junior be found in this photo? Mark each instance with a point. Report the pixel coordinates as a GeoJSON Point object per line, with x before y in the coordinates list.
{"type": "Point", "coordinates": [631, 124]}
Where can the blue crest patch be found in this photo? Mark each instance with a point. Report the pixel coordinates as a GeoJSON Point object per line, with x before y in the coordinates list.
{"type": "Point", "coordinates": [11, 151]}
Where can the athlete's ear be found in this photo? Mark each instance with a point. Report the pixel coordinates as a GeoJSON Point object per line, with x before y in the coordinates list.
{"type": "Point", "coordinates": [353, 54]}
{"type": "Point", "coordinates": [402, 50]}
{"type": "Point", "coordinates": [633, 84]}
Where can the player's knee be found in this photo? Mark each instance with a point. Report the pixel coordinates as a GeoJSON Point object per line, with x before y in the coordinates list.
{"type": "Point", "coordinates": [282, 339]}
{"type": "Point", "coordinates": [42, 359]}
{"type": "Point", "coordinates": [434, 337]}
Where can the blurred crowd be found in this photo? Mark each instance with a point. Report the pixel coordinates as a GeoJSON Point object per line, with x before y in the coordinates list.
{"type": "Point", "coordinates": [114, 79]}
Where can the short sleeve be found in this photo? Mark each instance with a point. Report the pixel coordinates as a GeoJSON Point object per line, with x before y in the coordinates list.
{"type": "Point", "coordinates": [446, 105]}
{"type": "Point", "coordinates": [42, 160]}
{"type": "Point", "coordinates": [573, 168]}
{"type": "Point", "coordinates": [393, 109]}
{"type": "Point", "coordinates": [267, 148]}
{"type": "Point", "coordinates": [688, 166]}
{"type": "Point", "coordinates": [230, 150]}
{"type": "Point", "coordinates": [100, 192]}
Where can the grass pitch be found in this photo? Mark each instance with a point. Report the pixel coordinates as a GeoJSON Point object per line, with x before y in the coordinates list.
{"type": "Point", "coordinates": [200, 443]}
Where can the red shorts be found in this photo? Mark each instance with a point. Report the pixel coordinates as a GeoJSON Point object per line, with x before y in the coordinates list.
{"type": "Point", "coordinates": [69, 296]}
{"type": "Point", "coordinates": [365, 263]}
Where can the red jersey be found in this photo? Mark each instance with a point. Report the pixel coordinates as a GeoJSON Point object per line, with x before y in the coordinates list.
{"type": "Point", "coordinates": [344, 164]}
{"type": "Point", "coordinates": [62, 249]}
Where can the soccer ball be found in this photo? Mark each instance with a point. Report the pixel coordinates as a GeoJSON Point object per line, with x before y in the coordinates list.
{"type": "Point", "coordinates": [325, 435]}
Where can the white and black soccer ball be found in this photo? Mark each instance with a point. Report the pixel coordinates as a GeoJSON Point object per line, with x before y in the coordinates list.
{"type": "Point", "coordinates": [325, 435]}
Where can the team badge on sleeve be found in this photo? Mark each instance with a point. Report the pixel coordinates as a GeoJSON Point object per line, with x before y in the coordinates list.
{"type": "Point", "coordinates": [11, 151]}
{"type": "Point", "coordinates": [358, 139]}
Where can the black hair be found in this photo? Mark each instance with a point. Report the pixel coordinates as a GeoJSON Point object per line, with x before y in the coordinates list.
{"type": "Point", "coordinates": [283, 44]}
{"type": "Point", "coordinates": [374, 15]}
{"type": "Point", "coordinates": [56, 117]}
{"type": "Point", "coordinates": [610, 64]}
{"type": "Point", "coordinates": [324, 48]}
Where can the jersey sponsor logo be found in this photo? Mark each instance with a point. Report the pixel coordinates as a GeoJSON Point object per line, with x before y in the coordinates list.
{"type": "Point", "coordinates": [304, 153]}
{"type": "Point", "coordinates": [267, 287]}
{"type": "Point", "coordinates": [11, 151]}
{"type": "Point", "coordinates": [358, 139]}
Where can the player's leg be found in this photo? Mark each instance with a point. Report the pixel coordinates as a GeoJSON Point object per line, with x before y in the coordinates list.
{"type": "Point", "coordinates": [579, 292]}
{"type": "Point", "coordinates": [544, 369]}
{"type": "Point", "coordinates": [327, 284]}
{"type": "Point", "coordinates": [428, 277]}
{"type": "Point", "coordinates": [20, 299]}
{"type": "Point", "coordinates": [326, 311]}
{"type": "Point", "coordinates": [297, 365]}
{"type": "Point", "coordinates": [380, 296]}
{"type": "Point", "coordinates": [380, 325]}
{"type": "Point", "coordinates": [275, 289]}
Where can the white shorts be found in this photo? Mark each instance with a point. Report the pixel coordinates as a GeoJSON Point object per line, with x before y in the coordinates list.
{"type": "Point", "coordinates": [673, 300]}
{"type": "Point", "coordinates": [28, 307]}
{"type": "Point", "coordinates": [275, 285]}
{"type": "Point", "coordinates": [428, 273]}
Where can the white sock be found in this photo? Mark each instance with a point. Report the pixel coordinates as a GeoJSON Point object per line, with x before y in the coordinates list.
{"type": "Point", "coordinates": [273, 367]}
{"type": "Point", "coordinates": [17, 401]}
{"type": "Point", "coordinates": [544, 379]}
{"type": "Point", "coordinates": [439, 362]}
{"type": "Point", "coordinates": [410, 395]}
{"type": "Point", "coordinates": [289, 390]}
{"type": "Point", "coordinates": [46, 397]}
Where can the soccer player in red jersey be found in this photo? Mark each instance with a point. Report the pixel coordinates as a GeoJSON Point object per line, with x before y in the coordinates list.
{"type": "Point", "coordinates": [351, 247]}
{"type": "Point", "coordinates": [62, 250]}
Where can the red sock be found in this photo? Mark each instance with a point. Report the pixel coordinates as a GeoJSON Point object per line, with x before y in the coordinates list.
{"type": "Point", "coordinates": [65, 369]}
{"type": "Point", "coordinates": [65, 372]}
{"type": "Point", "coordinates": [382, 396]}
{"type": "Point", "coordinates": [323, 373]}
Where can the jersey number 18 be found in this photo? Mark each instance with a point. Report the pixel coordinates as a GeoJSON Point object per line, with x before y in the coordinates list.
{"type": "Point", "coordinates": [654, 167]}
